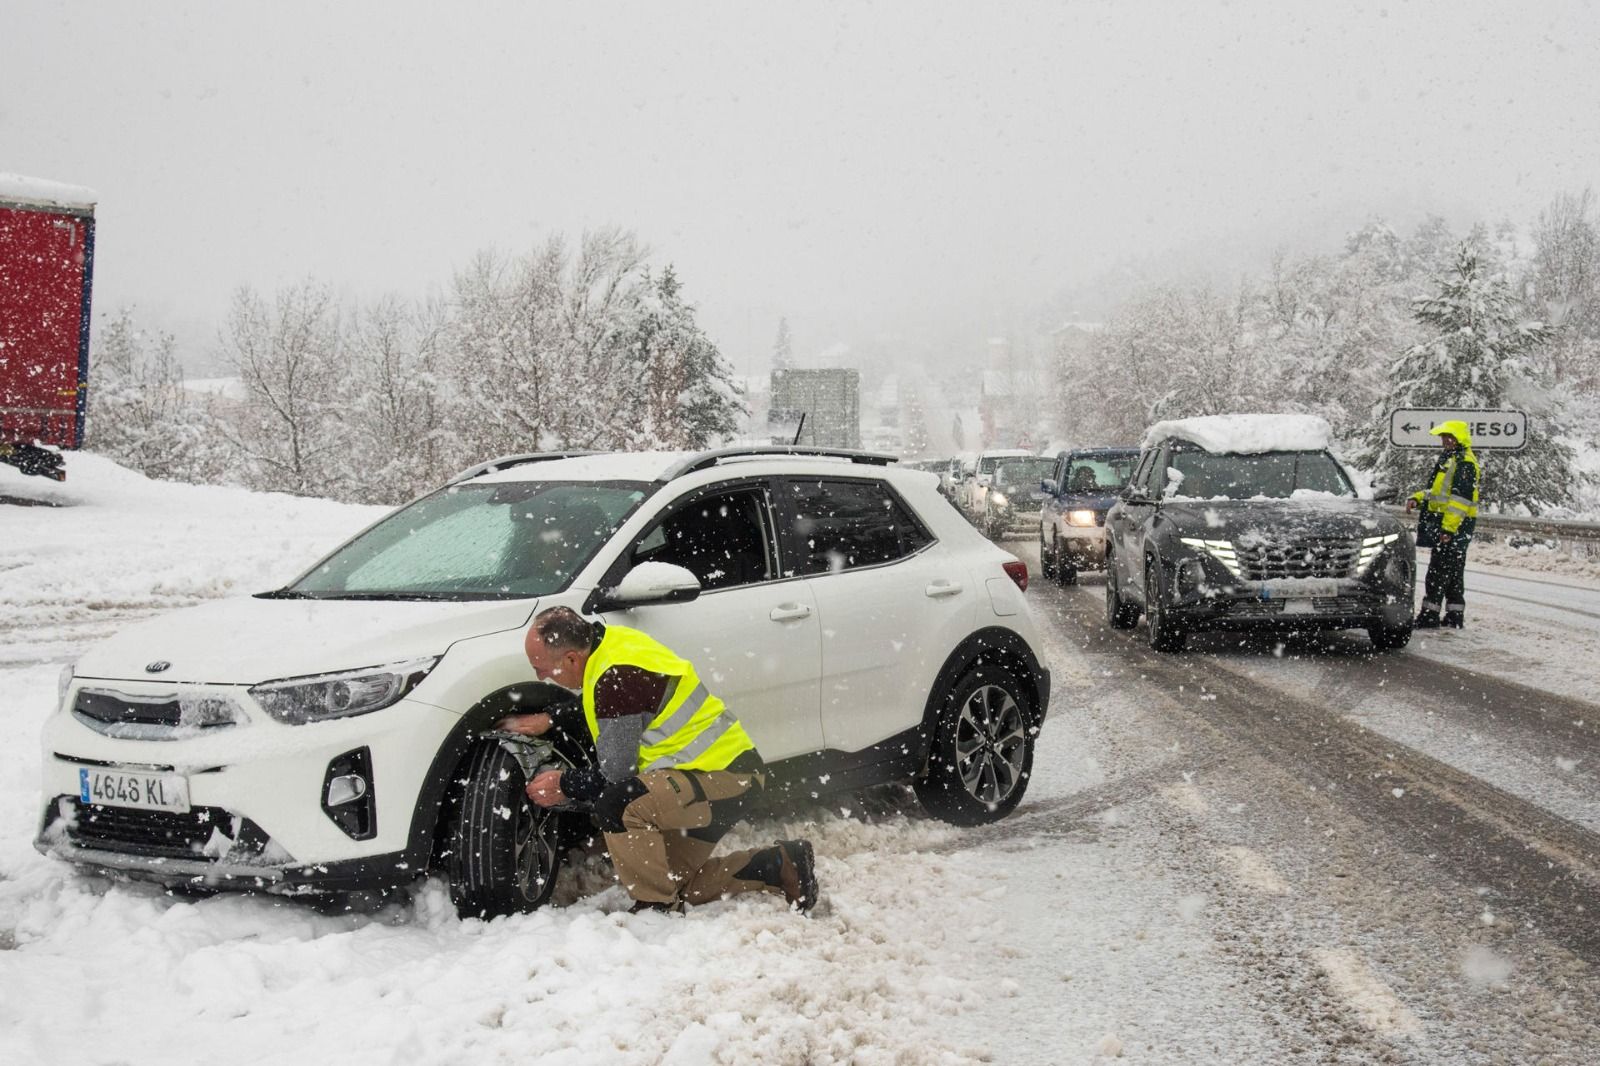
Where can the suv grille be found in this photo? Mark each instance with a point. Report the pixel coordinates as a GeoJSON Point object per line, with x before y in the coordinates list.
{"type": "Point", "coordinates": [1308, 557]}
{"type": "Point", "coordinates": [120, 714]}
{"type": "Point", "coordinates": [163, 833]}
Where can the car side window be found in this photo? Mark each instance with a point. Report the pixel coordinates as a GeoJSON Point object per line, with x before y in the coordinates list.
{"type": "Point", "coordinates": [843, 525]}
{"type": "Point", "coordinates": [722, 538]}
{"type": "Point", "coordinates": [1141, 478]}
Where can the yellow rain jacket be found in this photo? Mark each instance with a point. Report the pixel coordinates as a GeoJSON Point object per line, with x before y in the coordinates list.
{"type": "Point", "coordinates": [1453, 495]}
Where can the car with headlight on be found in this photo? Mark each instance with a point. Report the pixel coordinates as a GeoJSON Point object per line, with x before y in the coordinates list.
{"type": "Point", "coordinates": [335, 735]}
{"type": "Point", "coordinates": [1080, 489]}
{"type": "Point", "coordinates": [1016, 493]}
{"type": "Point", "coordinates": [1250, 522]}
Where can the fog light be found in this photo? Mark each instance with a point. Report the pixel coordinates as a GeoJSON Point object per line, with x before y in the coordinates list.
{"type": "Point", "coordinates": [347, 794]}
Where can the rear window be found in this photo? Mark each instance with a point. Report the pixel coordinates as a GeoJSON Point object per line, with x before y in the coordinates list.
{"type": "Point", "coordinates": [844, 525]}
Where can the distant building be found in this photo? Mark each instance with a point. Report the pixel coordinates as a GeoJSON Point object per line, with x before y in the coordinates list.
{"type": "Point", "coordinates": [828, 400]}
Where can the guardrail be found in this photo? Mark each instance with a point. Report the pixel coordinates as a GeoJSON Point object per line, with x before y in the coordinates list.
{"type": "Point", "coordinates": [1579, 536]}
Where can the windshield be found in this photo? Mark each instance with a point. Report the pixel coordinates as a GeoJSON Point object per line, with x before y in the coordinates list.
{"type": "Point", "coordinates": [1278, 475]}
{"type": "Point", "coordinates": [502, 541]}
{"type": "Point", "coordinates": [1104, 475]}
{"type": "Point", "coordinates": [1014, 473]}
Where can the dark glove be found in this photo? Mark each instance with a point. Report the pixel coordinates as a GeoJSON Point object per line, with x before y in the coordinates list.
{"type": "Point", "coordinates": [609, 807]}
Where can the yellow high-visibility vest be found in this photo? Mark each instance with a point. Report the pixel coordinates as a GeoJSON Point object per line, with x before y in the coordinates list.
{"type": "Point", "coordinates": [693, 731]}
{"type": "Point", "coordinates": [1439, 498]}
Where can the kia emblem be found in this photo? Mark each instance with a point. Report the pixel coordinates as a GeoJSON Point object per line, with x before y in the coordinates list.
{"type": "Point", "coordinates": [157, 666]}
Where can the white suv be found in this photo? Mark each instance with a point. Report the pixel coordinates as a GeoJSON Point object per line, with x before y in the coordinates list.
{"type": "Point", "coordinates": [328, 736]}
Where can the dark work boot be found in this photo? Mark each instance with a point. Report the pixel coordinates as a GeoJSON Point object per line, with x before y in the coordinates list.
{"type": "Point", "coordinates": [1427, 618]}
{"type": "Point", "coordinates": [1454, 619]}
{"type": "Point", "coordinates": [798, 875]}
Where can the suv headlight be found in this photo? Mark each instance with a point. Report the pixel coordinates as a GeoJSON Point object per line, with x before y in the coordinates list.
{"type": "Point", "coordinates": [1080, 517]}
{"type": "Point", "coordinates": [1220, 550]}
{"type": "Point", "coordinates": [998, 498]}
{"type": "Point", "coordinates": [1371, 548]}
{"type": "Point", "coordinates": [298, 700]}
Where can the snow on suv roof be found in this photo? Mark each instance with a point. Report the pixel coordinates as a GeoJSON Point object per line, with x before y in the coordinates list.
{"type": "Point", "coordinates": [1247, 434]}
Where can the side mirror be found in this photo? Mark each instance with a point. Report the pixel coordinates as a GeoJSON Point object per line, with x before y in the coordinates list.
{"type": "Point", "coordinates": [1046, 485]}
{"type": "Point", "coordinates": [1385, 494]}
{"type": "Point", "coordinates": [650, 583]}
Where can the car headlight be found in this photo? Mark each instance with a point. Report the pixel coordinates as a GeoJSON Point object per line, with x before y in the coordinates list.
{"type": "Point", "coordinates": [1371, 548]}
{"type": "Point", "coordinates": [999, 499]}
{"type": "Point", "coordinates": [1220, 550]}
{"type": "Point", "coordinates": [298, 700]}
{"type": "Point", "coordinates": [1080, 517]}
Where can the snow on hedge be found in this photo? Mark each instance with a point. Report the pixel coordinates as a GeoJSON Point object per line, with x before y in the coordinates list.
{"type": "Point", "coordinates": [1247, 434]}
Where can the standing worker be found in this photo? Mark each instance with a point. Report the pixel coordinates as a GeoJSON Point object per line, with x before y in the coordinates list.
{"type": "Point", "coordinates": [1446, 526]}
{"type": "Point", "coordinates": [676, 771]}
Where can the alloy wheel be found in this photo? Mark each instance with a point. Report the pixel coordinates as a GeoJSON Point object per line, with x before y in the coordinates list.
{"type": "Point", "coordinates": [991, 744]}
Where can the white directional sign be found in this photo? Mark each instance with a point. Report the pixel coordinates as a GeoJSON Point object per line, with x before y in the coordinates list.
{"type": "Point", "coordinates": [1408, 427]}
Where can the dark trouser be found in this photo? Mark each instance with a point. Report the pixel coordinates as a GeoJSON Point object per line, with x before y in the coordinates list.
{"type": "Point", "coordinates": [1444, 588]}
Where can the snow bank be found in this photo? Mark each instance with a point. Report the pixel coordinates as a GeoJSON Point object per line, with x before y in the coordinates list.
{"type": "Point", "coordinates": [14, 188]}
{"type": "Point", "coordinates": [1247, 434]}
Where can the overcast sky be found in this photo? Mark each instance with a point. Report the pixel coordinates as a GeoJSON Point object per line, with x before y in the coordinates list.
{"type": "Point", "coordinates": [902, 177]}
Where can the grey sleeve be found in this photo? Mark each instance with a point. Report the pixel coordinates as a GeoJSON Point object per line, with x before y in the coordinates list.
{"type": "Point", "coordinates": [618, 745]}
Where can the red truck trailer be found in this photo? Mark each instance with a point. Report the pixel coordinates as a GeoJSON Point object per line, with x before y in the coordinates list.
{"type": "Point", "coordinates": [46, 263]}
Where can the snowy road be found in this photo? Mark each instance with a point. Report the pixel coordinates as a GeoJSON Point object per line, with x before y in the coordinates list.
{"type": "Point", "coordinates": [1255, 852]}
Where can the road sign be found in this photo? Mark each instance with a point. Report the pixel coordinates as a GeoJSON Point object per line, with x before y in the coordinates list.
{"type": "Point", "coordinates": [1506, 430]}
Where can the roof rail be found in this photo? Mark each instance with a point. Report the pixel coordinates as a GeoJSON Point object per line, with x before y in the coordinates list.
{"type": "Point", "coordinates": [716, 455]}
{"type": "Point", "coordinates": [506, 462]}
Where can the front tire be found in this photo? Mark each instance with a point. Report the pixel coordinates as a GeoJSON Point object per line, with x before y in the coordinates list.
{"type": "Point", "coordinates": [1166, 632]}
{"type": "Point", "coordinates": [1389, 638]}
{"type": "Point", "coordinates": [504, 852]}
{"type": "Point", "coordinates": [982, 751]}
{"type": "Point", "coordinates": [1048, 564]}
{"type": "Point", "coordinates": [1119, 613]}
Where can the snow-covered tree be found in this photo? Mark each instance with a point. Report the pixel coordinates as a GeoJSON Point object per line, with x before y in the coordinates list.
{"type": "Point", "coordinates": [783, 348]}
{"type": "Point", "coordinates": [1565, 282]}
{"type": "Point", "coordinates": [683, 394]}
{"type": "Point", "coordinates": [1482, 352]}
{"type": "Point", "coordinates": [292, 431]}
{"type": "Point", "coordinates": [139, 412]}
{"type": "Point", "coordinates": [397, 401]}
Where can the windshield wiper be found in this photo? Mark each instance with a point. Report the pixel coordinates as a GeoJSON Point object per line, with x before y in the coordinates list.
{"type": "Point", "coordinates": [283, 594]}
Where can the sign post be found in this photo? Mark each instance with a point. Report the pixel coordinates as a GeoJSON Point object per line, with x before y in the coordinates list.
{"type": "Point", "coordinates": [1490, 428]}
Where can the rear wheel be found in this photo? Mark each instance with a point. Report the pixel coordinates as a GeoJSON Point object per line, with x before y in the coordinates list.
{"type": "Point", "coordinates": [1119, 615]}
{"type": "Point", "coordinates": [504, 852]}
{"type": "Point", "coordinates": [1389, 638]}
{"type": "Point", "coordinates": [1166, 632]}
{"type": "Point", "coordinates": [983, 749]}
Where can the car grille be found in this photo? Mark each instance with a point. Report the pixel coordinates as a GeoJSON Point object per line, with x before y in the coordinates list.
{"type": "Point", "coordinates": [151, 717]}
{"type": "Point", "coordinates": [1311, 557]}
{"type": "Point", "coordinates": [162, 833]}
{"type": "Point", "coordinates": [1321, 605]}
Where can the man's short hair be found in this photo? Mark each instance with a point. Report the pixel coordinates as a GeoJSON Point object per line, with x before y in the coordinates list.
{"type": "Point", "coordinates": [564, 629]}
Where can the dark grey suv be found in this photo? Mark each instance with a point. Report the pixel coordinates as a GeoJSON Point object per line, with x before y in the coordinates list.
{"type": "Point", "coordinates": [1205, 537]}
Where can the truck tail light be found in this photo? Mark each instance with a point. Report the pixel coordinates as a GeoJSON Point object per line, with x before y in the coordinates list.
{"type": "Point", "coordinates": [1017, 571]}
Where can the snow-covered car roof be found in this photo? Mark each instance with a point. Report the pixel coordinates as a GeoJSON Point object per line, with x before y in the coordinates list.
{"type": "Point", "coordinates": [1247, 434]}
{"type": "Point", "coordinates": [16, 189]}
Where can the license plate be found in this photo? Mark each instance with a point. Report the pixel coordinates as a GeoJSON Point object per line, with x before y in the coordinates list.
{"type": "Point", "coordinates": [111, 787]}
{"type": "Point", "coordinates": [1299, 589]}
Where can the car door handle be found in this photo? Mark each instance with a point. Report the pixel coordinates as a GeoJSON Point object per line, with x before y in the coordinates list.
{"type": "Point", "coordinates": [943, 588]}
{"type": "Point", "coordinates": [786, 612]}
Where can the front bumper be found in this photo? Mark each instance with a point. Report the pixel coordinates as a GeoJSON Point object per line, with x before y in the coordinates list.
{"type": "Point", "coordinates": [257, 812]}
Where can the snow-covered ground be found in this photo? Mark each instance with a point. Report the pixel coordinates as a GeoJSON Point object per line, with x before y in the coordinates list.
{"type": "Point", "coordinates": [921, 952]}
{"type": "Point", "coordinates": [1066, 934]}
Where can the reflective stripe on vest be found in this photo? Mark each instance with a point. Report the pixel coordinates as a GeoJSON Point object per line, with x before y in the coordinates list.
{"type": "Point", "coordinates": [693, 730]}
{"type": "Point", "coordinates": [1442, 501]}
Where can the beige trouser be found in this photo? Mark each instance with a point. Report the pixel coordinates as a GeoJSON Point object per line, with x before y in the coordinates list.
{"type": "Point", "coordinates": [664, 853]}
